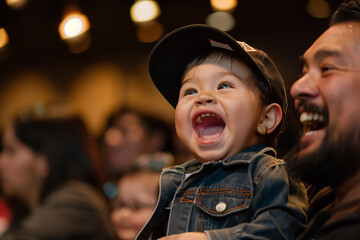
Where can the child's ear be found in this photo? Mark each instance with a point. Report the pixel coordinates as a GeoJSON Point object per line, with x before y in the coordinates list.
{"type": "Point", "coordinates": [270, 119]}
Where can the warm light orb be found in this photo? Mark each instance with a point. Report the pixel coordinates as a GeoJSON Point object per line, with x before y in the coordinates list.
{"type": "Point", "coordinates": [223, 5]}
{"type": "Point", "coordinates": [73, 25]}
{"type": "Point", "coordinates": [4, 38]}
{"type": "Point", "coordinates": [16, 4]}
{"type": "Point", "coordinates": [144, 10]}
{"type": "Point", "coordinates": [221, 20]}
{"type": "Point", "coordinates": [318, 8]}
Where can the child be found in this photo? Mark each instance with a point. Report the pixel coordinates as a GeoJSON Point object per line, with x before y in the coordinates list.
{"type": "Point", "coordinates": [230, 101]}
{"type": "Point", "coordinates": [137, 192]}
{"type": "Point", "coordinates": [136, 198]}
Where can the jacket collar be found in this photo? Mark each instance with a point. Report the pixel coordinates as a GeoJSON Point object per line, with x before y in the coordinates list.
{"type": "Point", "coordinates": [245, 156]}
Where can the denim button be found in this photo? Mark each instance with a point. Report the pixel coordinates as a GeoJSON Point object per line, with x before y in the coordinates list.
{"type": "Point", "coordinates": [220, 207]}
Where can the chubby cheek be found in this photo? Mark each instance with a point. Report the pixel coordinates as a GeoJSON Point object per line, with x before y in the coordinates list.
{"type": "Point", "coordinates": [182, 123]}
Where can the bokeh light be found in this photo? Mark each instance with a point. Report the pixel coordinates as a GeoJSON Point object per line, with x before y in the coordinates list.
{"type": "Point", "coordinates": [16, 4]}
{"type": "Point", "coordinates": [221, 20]}
{"type": "Point", "coordinates": [144, 10]}
{"type": "Point", "coordinates": [4, 38]}
{"type": "Point", "coordinates": [73, 25]}
{"type": "Point", "coordinates": [318, 8]}
{"type": "Point", "coordinates": [223, 5]}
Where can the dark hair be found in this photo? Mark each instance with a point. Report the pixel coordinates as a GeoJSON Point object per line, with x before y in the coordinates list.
{"type": "Point", "coordinates": [64, 142]}
{"type": "Point", "coordinates": [253, 82]}
{"type": "Point", "coordinates": [151, 123]}
{"type": "Point", "coordinates": [347, 11]}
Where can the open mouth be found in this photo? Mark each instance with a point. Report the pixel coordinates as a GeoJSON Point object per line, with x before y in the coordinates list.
{"type": "Point", "coordinates": [208, 126]}
{"type": "Point", "coordinates": [313, 121]}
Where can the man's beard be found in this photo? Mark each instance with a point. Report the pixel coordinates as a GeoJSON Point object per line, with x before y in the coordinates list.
{"type": "Point", "coordinates": [336, 160]}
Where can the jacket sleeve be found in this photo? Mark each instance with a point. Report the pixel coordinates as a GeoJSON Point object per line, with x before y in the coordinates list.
{"type": "Point", "coordinates": [277, 210]}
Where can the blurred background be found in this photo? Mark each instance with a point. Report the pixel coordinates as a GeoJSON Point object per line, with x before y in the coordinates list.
{"type": "Point", "coordinates": [91, 56]}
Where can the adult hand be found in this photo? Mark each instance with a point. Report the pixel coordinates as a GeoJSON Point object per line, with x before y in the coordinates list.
{"type": "Point", "coordinates": [186, 236]}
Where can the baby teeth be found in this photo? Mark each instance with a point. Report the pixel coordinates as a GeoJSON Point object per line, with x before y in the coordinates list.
{"type": "Point", "coordinates": [199, 118]}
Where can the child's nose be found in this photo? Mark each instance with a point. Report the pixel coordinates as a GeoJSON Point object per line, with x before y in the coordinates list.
{"type": "Point", "coordinates": [205, 98]}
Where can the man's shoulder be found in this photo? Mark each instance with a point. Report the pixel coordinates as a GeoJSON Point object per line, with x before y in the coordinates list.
{"type": "Point", "coordinates": [346, 228]}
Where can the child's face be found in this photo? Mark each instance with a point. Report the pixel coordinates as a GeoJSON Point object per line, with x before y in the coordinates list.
{"type": "Point", "coordinates": [134, 204]}
{"type": "Point", "coordinates": [217, 113]}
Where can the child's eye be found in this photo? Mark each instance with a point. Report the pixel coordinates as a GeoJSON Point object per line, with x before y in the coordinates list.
{"type": "Point", "coordinates": [225, 85]}
{"type": "Point", "coordinates": [190, 92]}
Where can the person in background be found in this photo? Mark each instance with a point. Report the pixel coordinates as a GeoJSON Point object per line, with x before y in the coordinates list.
{"type": "Point", "coordinates": [129, 134]}
{"type": "Point", "coordinates": [5, 213]}
{"type": "Point", "coordinates": [137, 194]}
{"type": "Point", "coordinates": [48, 177]}
{"type": "Point", "coordinates": [327, 99]}
{"type": "Point", "coordinates": [135, 201]}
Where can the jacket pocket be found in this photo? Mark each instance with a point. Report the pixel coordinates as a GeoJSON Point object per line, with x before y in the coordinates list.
{"type": "Point", "coordinates": [224, 201]}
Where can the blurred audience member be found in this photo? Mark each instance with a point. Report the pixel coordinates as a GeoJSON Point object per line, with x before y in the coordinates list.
{"type": "Point", "coordinates": [128, 135]}
{"type": "Point", "coordinates": [135, 202]}
{"type": "Point", "coordinates": [47, 172]}
{"type": "Point", "coordinates": [137, 194]}
{"type": "Point", "coordinates": [5, 213]}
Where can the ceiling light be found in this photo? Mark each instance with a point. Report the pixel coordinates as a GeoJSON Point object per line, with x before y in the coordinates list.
{"type": "Point", "coordinates": [144, 10]}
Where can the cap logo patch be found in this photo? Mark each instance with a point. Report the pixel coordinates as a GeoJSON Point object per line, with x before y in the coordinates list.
{"type": "Point", "coordinates": [246, 47]}
{"type": "Point", "coordinates": [220, 45]}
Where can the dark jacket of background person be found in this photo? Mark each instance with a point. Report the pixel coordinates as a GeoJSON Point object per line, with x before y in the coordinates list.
{"type": "Point", "coordinates": [69, 206]}
{"type": "Point", "coordinates": [74, 211]}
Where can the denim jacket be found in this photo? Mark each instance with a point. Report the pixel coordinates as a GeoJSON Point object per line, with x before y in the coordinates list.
{"type": "Point", "coordinates": [247, 196]}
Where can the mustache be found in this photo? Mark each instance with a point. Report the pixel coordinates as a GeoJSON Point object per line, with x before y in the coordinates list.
{"type": "Point", "coordinates": [311, 107]}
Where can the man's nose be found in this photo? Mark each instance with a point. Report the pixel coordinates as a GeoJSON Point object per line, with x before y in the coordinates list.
{"type": "Point", "coordinates": [205, 98]}
{"type": "Point", "coordinates": [304, 88]}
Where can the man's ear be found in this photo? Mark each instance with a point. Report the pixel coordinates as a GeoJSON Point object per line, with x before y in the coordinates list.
{"type": "Point", "coordinates": [270, 119]}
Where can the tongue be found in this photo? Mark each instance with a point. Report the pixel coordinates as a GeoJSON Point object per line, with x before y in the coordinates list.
{"type": "Point", "coordinates": [211, 132]}
{"type": "Point", "coordinates": [210, 128]}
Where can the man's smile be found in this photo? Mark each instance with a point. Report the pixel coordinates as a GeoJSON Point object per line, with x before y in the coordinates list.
{"type": "Point", "coordinates": [312, 122]}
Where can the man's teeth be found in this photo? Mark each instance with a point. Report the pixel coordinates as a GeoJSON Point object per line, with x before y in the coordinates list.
{"type": "Point", "coordinates": [308, 116]}
{"type": "Point", "coordinates": [309, 132]}
{"type": "Point", "coordinates": [201, 116]}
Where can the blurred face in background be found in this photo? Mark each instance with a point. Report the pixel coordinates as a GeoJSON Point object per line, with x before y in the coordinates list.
{"type": "Point", "coordinates": [134, 204]}
{"type": "Point", "coordinates": [22, 170]}
{"type": "Point", "coordinates": [124, 142]}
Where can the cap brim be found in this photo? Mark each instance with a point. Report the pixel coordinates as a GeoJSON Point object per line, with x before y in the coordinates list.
{"type": "Point", "coordinates": [172, 53]}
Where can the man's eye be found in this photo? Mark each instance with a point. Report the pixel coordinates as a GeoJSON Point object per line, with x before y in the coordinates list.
{"type": "Point", "coordinates": [190, 92]}
{"type": "Point", "coordinates": [224, 85]}
{"type": "Point", "coordinates": [326, 68]}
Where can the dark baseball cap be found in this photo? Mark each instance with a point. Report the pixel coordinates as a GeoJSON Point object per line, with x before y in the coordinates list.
{"type": "Point", "coordinates": [171, 55]}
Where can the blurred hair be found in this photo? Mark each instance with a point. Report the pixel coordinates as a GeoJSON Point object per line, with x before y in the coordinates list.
{"type": "Point", "coordinates": [347, 11]}
{"type": "Point", "coordinates": [66, 145]}
{"type": "Point", "coordinates": [151, 123]}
